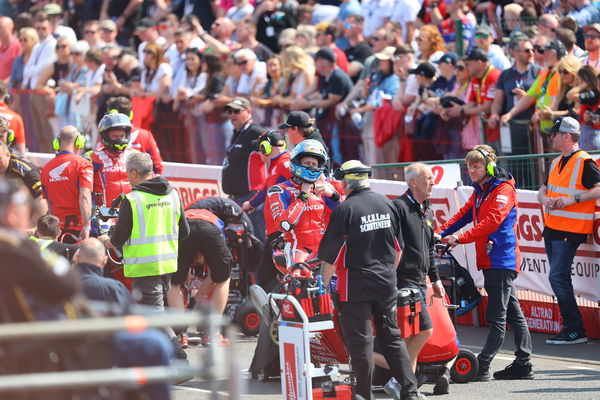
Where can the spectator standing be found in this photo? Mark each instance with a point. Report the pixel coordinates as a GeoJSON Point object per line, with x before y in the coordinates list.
{"type": "Point", "coordinates": [56, 15]}
{"type": "Point", "coordinates": [67, 182]}
{"type": "Point", "coordinates": [431, 44]}
{"type": "Point", "coordinates": [10, 48]}
{"type": "Point", "coordinates": [547, 25]}
{"type": "Point", "coordinates": [275, 86]}
{"type": "Point", "coordinates": [244, 173]}
{"type": "Point", "coordinates": [14, 123]}
{"type": "Point", "coordinates": [240, 10]}
{"type": "Point", "coordinates": [299, 74]}
{"type": "Point", "coordinates": [28, 38]}
{"type": "Point", "coordinates": [332, 87]}
{"type": "Point", "coordinates": [456, 12]}
{"type": "Point", "coordinates": [568, 197]}
{"type": "Point", "coordinates": [592, 45]}
{"type": "Point", "coordinates": [512, 85]}
{"type": "Point", "coordinates": [484, 39]}
{"type": "Point", "coordinates": [358, 49]}
{"type": "Point", "coordinates": [406, 12]}
{"type": "Point", "coordinates": [245, 34]}
{"type": "Point", "coordinates": [91, 34]}
{"type": "Point", "coordinates": [271, 18]}
{"type": "Point", "coordinates": [586, 96]}
{"type": "Point", "coordinates": [220, 38]}
{"type": "Point", "coordinates": [124, 14]}
{"type": "Point", "coordinates": [485, 76]}
{"type": "Point", "coordinates": [108, 32]}
{"type": "Point", "coordinates": [492, 208]}
{"type": "Point", "coordinates": [376, 14]}
{"type": "Point", "coordinates": [367, 276]}
{"type": "Point", "coordinates": [42, 55]}
{"type": "Point", "coordinates": [584, 12]}
{"type": "Point", "coordinates": [205, 11]}
{"type": "Point", "coordinates": [147, 30]}
{"type": "Point", "coordinates": [326, 36]}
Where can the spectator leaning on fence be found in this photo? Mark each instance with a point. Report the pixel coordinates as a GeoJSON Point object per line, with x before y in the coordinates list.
{"type": "Point", "coordinates": [10, 47]}
{"type": "Point", "coordinates": [568, 197]}
{"type": "Point", "coordinates": [15, 129]}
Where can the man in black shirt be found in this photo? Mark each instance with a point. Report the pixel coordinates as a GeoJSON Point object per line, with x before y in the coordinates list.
{"type": "Point", "coordinates": [272, 17]}
{"type": "Point", "coordinates": [569, 199]}
{"type": "Point", "coordinates": [417, 261]}
{"type": "Point", "coordinates": [359, 50]}
{"type": "Point", "coordinates": [361, 245]}
{"type": "Point", "coordinates": [244, 172]}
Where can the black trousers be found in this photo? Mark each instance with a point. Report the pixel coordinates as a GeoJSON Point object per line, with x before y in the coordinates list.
{"type": "Point", "coordinates": [355, 320]}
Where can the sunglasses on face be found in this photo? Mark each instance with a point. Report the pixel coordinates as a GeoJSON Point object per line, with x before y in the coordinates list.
{"type": "Point", "coordinates": [482, 35]}
{"type": "Point", "coordinates": [148, 52]}
{"type": "Point", "coordinates": [460, 67]}
{"type": "Point", "coordinates": [241, 62]}
{"type": "Point", "coordinates": [528, 51]}
{"type": "Point", "coordinates": [61, 46]}
{"type": "Point", "coordinates": [563, 71]}
{"type": "Point", "coordinates": [348, 25]}
{"type": "Point", "coordinates": [232, 111]}
{"type": "Point", "coordinates": [375, 38]}
{"type": "Point", "coordinates": [591, 37]}
{"type": "Point", "coordinates": [538, 49]}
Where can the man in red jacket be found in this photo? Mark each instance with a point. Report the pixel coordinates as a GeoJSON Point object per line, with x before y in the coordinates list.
{"type": "Point", "coordinates": [15, 122]}
{"type": "Point", "coordinates": [141, 139]}
{"type": "Point", "coordinates": [67, 182]}
{"type": "Point", "coordinates": [492, 208]}
{"type": "Point", "coordinates": [108, 160]}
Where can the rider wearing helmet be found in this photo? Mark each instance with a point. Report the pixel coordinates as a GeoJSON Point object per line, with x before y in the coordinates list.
{"type": "Point", "coordinates": [301, 206]}
{"type": "Point", "coordinates": [110, 178]}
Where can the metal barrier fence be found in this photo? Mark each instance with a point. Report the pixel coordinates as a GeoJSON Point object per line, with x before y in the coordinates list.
{"type": "Point", "coordinates": [209, 367]}
{"type": "Point", "coordinates": [529, 170]}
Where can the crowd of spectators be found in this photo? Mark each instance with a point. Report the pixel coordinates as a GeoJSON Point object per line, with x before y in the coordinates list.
{"type": "Point", "coordinates": [385, 80]}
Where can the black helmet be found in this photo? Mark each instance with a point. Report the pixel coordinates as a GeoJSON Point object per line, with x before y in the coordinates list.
{"type": "Point", "coordinates": [111, 122]}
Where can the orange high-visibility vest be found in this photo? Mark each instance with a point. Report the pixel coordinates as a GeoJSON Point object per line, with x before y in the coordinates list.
{"type": "Point", "coordinates": [578, 218]}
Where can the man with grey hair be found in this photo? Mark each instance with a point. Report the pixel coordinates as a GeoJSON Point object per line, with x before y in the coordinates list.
{"type": "Point", "coordinates": [362, 246]}
{"type": "Point", "coordinates": [150, 224]}
{"type": "Point", "coordinates": [417, 261]}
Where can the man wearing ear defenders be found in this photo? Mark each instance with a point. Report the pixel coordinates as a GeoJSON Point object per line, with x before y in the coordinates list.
{"type": "Point", "coordinates": [492, 208]}
{"type": "Point", "coordinates": [302, 205]}
{"type": "Point", "coordinates": [67, 182]}
{"type": "Point", "coordinates": [108, 160]}
{"type": "Point", "coordinates": [272, 148]}
{"type": "Point", "coordinates": [15, 123]}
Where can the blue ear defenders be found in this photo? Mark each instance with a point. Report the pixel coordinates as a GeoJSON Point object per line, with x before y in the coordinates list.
{"type": "Point", "coordinates": [490, 166]}
{"type": "Point", "coordinates": [79, 142]}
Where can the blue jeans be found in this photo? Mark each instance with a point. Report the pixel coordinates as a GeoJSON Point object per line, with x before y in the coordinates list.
{"type": "Point", "coordinates": [560, 255]}
{"type": "Point", "coordinates": [503, 306]}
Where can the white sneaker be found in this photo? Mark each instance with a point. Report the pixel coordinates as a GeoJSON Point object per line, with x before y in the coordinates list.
{"type": "Point", "coordinates": [392, 388]}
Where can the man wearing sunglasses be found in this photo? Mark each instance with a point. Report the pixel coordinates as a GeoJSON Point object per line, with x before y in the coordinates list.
{"type": "Point", "coordinates": [244, 172]}
{"type": "Point", "coordinates": [510, 88]}
{"type": "Point", "coordinates": [591, 34]}
{"type": "Point", "coordinates": [484, 39]}
{"type": "Point", "coordinates": [569, 203]}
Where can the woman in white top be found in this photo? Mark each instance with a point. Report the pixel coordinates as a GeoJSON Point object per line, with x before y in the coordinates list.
{"type": "Point", "coordinates": [156, 74]}
{"type": "Point", "coordinates": [299, 73]}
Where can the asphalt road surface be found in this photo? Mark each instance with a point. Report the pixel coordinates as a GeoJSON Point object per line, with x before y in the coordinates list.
{"type": "Point", "coordinates": [561, 373]}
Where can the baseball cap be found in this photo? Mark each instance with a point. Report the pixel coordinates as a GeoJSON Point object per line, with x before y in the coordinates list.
{"type": "Point", "coordinates": [565, 125]}
{"type": "Point", "coordinates": [108, 25]}
{"type": "Point", "coordinates": [477, 54]}
{"type": "Point", "coordinates": [52, 9]}
{"type": "Point", "coordinates": [448, 58]}
{"type": "Point", "coordinates": [404, 49]}
{"type": "Point", "coordinates": [595, 27]}
{"type": "Point", "coordinates": [326, 53]}
{"type": "Point", "coordinates": [238, 103]}
{"type": "Point", "coordinates": [557, 46]}
{"type": "Point", "coordinates": [424, 69]}
{"type": "Point", "coordinates": [386, 54]}
{"type": "Point", "coordinates": [298, 119]}
{"type": "Point", "coordinates": [484, 29]}
{"type": "Point", "coordinates": [145, 23]}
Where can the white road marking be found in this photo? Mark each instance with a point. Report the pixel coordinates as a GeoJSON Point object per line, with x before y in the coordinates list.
{"type": "Point", "coordinates": [583, 368]}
